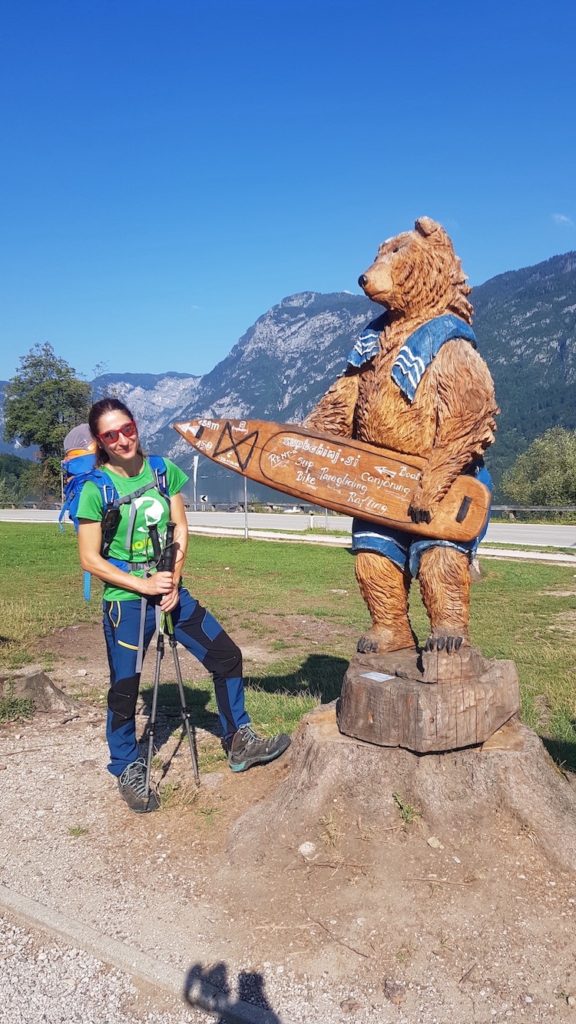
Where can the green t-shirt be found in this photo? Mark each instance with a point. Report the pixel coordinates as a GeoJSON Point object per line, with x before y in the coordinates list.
{"type": "Point", "coordinates": [152, 508]}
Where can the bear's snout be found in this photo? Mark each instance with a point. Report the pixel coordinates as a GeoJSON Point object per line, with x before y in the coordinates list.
{"type": "Point", "coordinates": [363, 280]}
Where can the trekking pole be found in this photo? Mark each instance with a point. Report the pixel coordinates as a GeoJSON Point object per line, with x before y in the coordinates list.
{"type": "Point", "coordinates": [154, 708]}
{"type": "Point", "coordinates": [165, 561]}
{"type": "Point", "coordinates": [184, 714]}
{"type": "Point", "coordinates": [153, 531]}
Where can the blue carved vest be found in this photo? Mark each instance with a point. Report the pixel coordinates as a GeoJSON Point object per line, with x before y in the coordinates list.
{"type": "Point", "coordinates": [417, 352]}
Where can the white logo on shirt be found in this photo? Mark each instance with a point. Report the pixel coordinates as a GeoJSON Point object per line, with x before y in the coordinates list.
{"type": "Point", "coordinates": [153, 510]}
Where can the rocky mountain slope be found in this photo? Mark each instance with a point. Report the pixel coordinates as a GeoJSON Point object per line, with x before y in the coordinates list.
{"type": "Point", "coordinates": [276, 371]}
{"type": "Point", "coordinates": [525, 322]}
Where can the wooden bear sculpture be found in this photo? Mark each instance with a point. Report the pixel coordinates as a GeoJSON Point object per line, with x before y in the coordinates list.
{"type": "Point", "coordinates": [415, 383]}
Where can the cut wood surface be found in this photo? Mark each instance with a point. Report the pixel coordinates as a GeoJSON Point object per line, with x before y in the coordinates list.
{"type": "Point", "coordinates": [427, 703]}
{"type": "Point", "coordinates": [346, 476]}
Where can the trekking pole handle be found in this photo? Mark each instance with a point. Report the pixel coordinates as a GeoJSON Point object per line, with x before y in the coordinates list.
{"type": "Point", "coordinates": [165, 559]}
{"type": "Point", "coordinates": [153, 531]}
{"type": "Point", "coordinates": [168, 557]}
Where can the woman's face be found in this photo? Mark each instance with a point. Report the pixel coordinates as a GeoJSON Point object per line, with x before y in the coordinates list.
{"type": "Point", "coordinates": [119, 446]}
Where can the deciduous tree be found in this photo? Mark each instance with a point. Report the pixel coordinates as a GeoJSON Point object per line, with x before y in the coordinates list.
{"type": "Point", "coordinates": [545, 474]}
{"type": "Point", "coordinates": [43, 401]}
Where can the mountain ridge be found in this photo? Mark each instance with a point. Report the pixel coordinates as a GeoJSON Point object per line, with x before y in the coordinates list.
{"type": "Point", "coordinates": [525, 321]}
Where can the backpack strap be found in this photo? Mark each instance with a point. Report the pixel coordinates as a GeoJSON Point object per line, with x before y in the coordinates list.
{"type": "Point", "coordinates": [106, 486]}
{"type": "Point", "coordinates": [112, 501]}
{"type": "Point", "coordinates": [158, 465]}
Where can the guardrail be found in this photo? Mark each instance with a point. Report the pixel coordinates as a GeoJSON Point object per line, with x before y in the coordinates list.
{"type": "Point", "coordinates": [254, 508]}
{"type": "Point", "coordinates": [534, 508]}
{"type": "Point", "coordinates": [526, 512]}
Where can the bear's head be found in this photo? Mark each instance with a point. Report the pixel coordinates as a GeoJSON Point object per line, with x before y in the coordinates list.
{"type": "Point", "coordinates": [418, 273]}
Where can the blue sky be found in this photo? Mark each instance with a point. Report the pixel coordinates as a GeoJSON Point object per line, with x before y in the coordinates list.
{"type": "Point", "coordinates": [172, 168]}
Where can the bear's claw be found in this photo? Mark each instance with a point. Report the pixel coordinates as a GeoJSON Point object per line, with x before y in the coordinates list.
{"type": "Point", "coordinates": [366, 645]}
{"type": "Point", "coordinates": [419, 515]}
{"type": "Point", "coordinates": [385, 642]}
{"type": "Point", "coordinates": [439, 643]}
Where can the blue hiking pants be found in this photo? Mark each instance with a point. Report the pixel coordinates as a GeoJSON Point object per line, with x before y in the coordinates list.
{"type": "Point", "coordinates": [199, 632]}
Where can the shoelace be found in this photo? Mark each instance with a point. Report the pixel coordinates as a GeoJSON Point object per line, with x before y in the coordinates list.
{"type": "Point", "coordinates": [249, 736]}
{"type": "Point", "coordinates": [134, 775]}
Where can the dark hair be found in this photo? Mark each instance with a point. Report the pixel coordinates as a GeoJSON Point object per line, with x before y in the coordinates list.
{"type": "Point", "coordinates": [98, 410]}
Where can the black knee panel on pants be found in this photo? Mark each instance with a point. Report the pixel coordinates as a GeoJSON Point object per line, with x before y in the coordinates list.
{"type": "Point", "coordinates": [122, 699]}
{"type": "Point", "coordinates": [224, 657]}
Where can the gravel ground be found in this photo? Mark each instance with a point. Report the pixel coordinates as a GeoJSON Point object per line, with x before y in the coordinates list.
{"type": "Point", "coordinates": [53, 984]}
{"type": "Point", "coordinates": [477, 930]}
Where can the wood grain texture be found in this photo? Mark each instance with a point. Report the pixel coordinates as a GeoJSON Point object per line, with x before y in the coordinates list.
{"type": "Point", "coordinates": [350, 477]}
{"type": "Point", "coordinates": [417, 277]}
{"type": "Point", "coordinates": [427, 704]}
{"type": "Point", "coordinates": [509, 781]}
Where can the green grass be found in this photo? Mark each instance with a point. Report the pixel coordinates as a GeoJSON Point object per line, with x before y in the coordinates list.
{"type": "Point", "coordinates": [408, 813]}
{"type": "Point", "coordinates": [40, 588]}
{"type": "Point", "coordinates": [77, 831]}
{"type": "Point", "coordinates": [211, 759]}
{"type": "Point", "coordinates": [287, 598]}
{"type": "Point", "coordinates": [13, 709]}
{"type": "Point", "coordinates": [540, 548]}
{"type": "Point", "coordinates": [314, 531]}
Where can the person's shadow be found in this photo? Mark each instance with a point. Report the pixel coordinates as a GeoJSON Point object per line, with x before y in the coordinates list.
{"type": "Point", "coordinates": [319, 676]}
{"type": "Point", "coordinates": [169, 707]}
{"type": "Point", "coordinates": [563, 752]}
{"type": "Point", "coordinates": [209, 989]}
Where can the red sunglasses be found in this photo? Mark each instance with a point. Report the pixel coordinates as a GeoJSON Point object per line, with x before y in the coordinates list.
{"type": "Point", "coordinates": [112, 436]}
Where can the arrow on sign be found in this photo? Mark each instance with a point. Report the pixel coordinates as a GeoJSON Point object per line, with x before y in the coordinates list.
{"type": "Point", "coordinates": [203, 497]}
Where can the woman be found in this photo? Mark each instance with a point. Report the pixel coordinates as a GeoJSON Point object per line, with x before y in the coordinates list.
{"type": "Point", "coordinates": [129, 574]}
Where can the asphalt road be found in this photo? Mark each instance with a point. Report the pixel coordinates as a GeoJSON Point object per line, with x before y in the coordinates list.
{"type": "Point", "coordinates": [546, 535]}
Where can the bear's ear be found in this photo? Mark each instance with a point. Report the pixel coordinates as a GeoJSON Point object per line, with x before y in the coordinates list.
{"type": "Point", "coordinates": [426, 226]}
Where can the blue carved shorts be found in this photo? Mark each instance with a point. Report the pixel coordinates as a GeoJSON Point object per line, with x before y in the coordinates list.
{"type": "Point", "coordinates": [402, 547]}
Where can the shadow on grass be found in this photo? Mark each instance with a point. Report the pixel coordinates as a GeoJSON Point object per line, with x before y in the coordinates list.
{"type": "Point", "coordinates": [169, 710]}
{"type": "Point", "coordinates": [562, 752]}
{"type": "Point", "coordinates": [320, 676]}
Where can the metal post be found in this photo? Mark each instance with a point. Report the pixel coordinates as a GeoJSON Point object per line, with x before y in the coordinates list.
{"type": "Point", "coordinates": [194, 476]}
{"type": "Point", "coordinates": [245, 508]}
{"type": "Point", "coordinates": [154, 709]}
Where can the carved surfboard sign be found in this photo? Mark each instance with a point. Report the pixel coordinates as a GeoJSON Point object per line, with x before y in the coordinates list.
{"type": "Point", "coordinates": [344, 475]}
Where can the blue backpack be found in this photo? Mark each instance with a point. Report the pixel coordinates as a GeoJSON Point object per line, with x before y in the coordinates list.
{"type": "Point", "coordinates": [77, 471]}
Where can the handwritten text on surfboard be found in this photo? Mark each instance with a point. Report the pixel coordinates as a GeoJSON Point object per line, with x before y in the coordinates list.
{"type": "Point", "coordinates": [314, 463]}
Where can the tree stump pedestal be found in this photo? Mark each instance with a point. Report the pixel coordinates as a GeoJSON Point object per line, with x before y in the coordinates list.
{"type": "Point", "coordinates": [427, 702]}
{"type": "Point", "coordinates": [475, 790]}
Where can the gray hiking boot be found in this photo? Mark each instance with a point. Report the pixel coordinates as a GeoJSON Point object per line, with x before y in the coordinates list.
{"type": "Point", "coordinates": [248, 749]}
{"type": "Point", "coordinates": [132, 786]}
